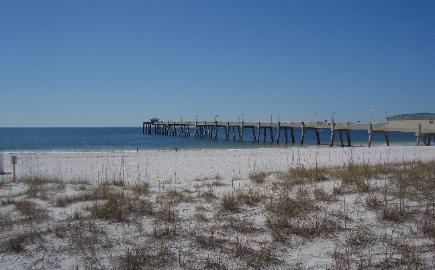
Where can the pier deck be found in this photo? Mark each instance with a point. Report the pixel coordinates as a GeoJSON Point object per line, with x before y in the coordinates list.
{"type": "Point", "coordinates": [279, 132]}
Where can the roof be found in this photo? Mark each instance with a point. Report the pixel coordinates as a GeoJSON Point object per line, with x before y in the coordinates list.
{"type": "Point", "coordinates": [412, 116]}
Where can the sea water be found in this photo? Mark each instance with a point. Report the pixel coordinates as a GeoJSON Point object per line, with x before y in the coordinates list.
{"type": "Point", "coordinates": [131, 138]}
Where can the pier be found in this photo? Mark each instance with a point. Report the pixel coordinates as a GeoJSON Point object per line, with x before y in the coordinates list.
{"type": "Point", "coordinates": [282, 132]}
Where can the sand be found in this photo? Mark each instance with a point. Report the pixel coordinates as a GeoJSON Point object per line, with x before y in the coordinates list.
{"type": "Point", "coordinates": [183, 166]}
{"type": "Point", "coordinates": [195, 171]}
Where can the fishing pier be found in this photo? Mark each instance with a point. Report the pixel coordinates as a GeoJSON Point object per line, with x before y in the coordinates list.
{"type": "Point", "coordinates": [281, 132]}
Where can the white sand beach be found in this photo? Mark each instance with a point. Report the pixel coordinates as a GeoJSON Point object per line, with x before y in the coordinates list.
{"type": "Point", "coordinates": [219, 209]}
{"type": "Point", "coordinates": [183, 166]}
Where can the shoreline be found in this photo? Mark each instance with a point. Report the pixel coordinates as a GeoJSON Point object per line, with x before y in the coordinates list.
{"type": "Point", "coordinates": [243, 145]}
{"type": "Point", "coordinates": [186, 165]}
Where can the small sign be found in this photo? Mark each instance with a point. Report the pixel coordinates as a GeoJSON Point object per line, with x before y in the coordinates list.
{"type": "Point", "coordinates": [14, 160]}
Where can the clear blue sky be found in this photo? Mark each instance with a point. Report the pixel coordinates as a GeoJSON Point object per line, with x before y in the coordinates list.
{"type": "Point", "coordinates": [115, 63]}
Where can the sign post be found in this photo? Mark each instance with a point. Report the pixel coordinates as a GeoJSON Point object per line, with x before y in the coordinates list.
{"type": "Point", "coordinates": [1, 164]}
{"type": "Point", "coordinates": [14, 162]}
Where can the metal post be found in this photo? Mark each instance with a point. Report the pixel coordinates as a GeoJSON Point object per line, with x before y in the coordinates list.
{"type": "Point", "coordinates": [14, 162]}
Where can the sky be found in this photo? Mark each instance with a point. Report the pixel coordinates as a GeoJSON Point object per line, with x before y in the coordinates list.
{"type": "Point", "coordinates": [117, 63]}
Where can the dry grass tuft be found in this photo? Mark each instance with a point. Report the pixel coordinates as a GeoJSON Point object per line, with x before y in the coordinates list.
{"type": "Point", "coordinates": [166, 214]}
{"type": "Point", "coordinates": [320, 227]}
{"type": "Point", "coordinates": [164, 230]}
{"type": "Point", "coordinates": [117, 182]}
{"type": "Point", "coordinates": [18, 242]}
{"type": "Point", "coordinates": [145, 257]}
{"type": "Point", "coordinates": [118, 207]}
{"type": "Point", "coordinates": [393, 214]}
{"type": "Point", "coordinates": [31, 211]}
{"type": "Point", "coordinates": [373, 202]}
{"type": "Point", "coordinates": [200, 217]}
{"type": "Point", "coordinates": [360, 237]}
{"type": "Point", "coordinates": [241, 225]}
{"type": "Point", "coordinates": [141, 188]}
{"type": "Point", "coordinates": [302, 174]}
{"type": "Point", "coordinates": [67, 200]}
{"type": "Point", "coordinates": [174, 197]}
{"type": "Point", "coordinates": [428, 224]}
{"type": "Point", "coordinates": [286, 206]}
{"type": "Point", "coordinates": [408, 258]}
{"type": "Point", "coordinates": [254, 258]}
{"type": "Point", "coordinates": [5, 221]}
{"type": "Point", "coordinates": [207, 240]}
{"type": "Point", "coordinates": [258, 177]}
{"type": "Point", "coordinates": [249, 198]}
{"type": "Point", "coordinates": [37, 187]}
{"type": "Point", "coordinates": [208, 195]}
{"type": "Point", "coordinates": [321, 195]}
{"type": "Point", "coordinates": [229, 202]}
{"type": "Point", "coordinates": [278, 226]}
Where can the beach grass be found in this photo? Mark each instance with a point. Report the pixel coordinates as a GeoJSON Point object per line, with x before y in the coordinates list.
{"type": "Point", "coordinates": [351, 216]}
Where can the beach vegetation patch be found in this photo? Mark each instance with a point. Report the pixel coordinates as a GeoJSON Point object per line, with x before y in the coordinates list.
{"type": "Point", "coordinates": [229, 202]}
{"type": "Point", "coordinates": [118, 207]}
{"type": "Point", "coordinates": [258, 177]}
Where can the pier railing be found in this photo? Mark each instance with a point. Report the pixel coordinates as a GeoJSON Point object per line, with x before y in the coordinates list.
{"type": "Point", "coordinates": [278, 132]}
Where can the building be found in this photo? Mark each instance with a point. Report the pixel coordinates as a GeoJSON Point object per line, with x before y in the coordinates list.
{"type": "Point", "coordinates": [412, 121]}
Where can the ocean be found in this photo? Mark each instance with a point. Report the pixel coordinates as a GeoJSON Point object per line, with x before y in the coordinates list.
{"type": "Point", "coordinates": [131, 138]}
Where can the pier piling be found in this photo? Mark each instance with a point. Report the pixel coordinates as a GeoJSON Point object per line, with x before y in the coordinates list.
{"type": "Point", "coordinates": [277, 130]}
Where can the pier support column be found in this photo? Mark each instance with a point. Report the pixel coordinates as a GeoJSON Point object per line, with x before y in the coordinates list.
{"type": "Point", "coordinates": [227, 131]}
{"type": "Point", "coordinates": [428, 139]}
{"type": "Point", "coordinates": [271, 135]}
{"type": "Point", "coordinates": [340, 136]}
{"type": "Point", "coordinates": [264, 134]}
{"type": "Point", "coordinates": [331, 135]}
{"type": "Point", "coordinates": [258, 132]}
{"type": "Point", "coordinates": [387, 140]}
{"type": "Point", "coordinates": [242, 129]}
{"type": "Point", "coordinates": [143, 128]}
{"type": "Point", "coordinates": [216, 130]}
{"type": "Point", "coordinates": [292, 134]}
{"type": "Point", "coordinates": [278, 133]}
{"type": "Point", "coordinates": [317, 136]}
{"type": "Point", "coordinates": [370, 132]}
{"type": "Point", "coordinates": [253, 134]}
{"type": "Point", "coordinates": [302, 133]}
{"type": "Point", "coordinates": [418, 134]}
{"type": "Point", "coordinates": [285, 135]}
{"type": "Point", "coordinates": [349, 143]}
